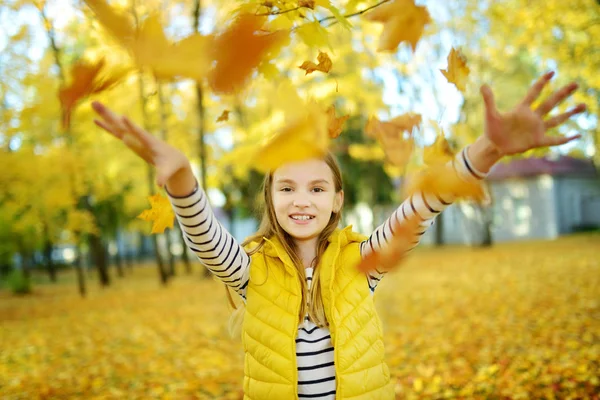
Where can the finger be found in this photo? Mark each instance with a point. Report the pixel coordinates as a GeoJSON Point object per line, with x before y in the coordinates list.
{"type": "Point", "coordinates": [116, 133]}
{"type": "Point", "coordinates": [112, 121]}
{"type": "Point", "coordinates": [536, 89]}
{"type": "Point", "coordinates": [488, 99]}
{"type": "Point", "coordinates": [557, 97]}
{"type": "Point", "coordinates": [558, 140]}
{"type": "Point", "coordinates": [138, 148]}
{"type": "Point", "coordinates": [559, 119]}
{"type": "Point", "coordinates": [144, 137]}
{"type": "Point", "coordinates": [106, 113]}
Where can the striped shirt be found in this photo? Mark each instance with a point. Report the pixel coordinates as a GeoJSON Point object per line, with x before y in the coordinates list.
{"type": "Point", "coordinates": [220, 252]}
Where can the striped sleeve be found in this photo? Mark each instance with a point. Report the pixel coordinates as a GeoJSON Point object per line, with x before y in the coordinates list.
{"type": "Point", "coordinates": [216, 248]}
{"type": "Point", "coordinates": [425, 206]}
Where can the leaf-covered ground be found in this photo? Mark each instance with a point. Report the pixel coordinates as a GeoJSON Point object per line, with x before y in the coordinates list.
{"type": "Point", "coordinates": [520, 320]}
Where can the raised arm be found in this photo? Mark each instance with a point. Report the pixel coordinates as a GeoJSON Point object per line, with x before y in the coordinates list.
{"type": "Point", "coordinates": [514, 132]}
{"type": "Point", "coordinates": [216, 248]}
{"type": "Point", "coordinates": [424, 207]}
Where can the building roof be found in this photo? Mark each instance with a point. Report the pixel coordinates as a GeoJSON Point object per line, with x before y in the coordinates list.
{"type": "Point", "coordinates": [554, 166]}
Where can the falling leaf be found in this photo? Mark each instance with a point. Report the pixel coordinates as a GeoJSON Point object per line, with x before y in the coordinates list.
{"type": "Point", "coordinates": [395, 136]}
{"type": "Point", "coordinates": [402, 20]}
{"type": "Point", "coordinates": [224, 116]}
{"type": "Point", "coordinates": [161, 213]}
{"type": "Point", "coordinates": [239, 50]}
{"type": "Point", "coordinates": [188, 58]}
{"type": "Point", "coordinates": [305, 135]}
{"type": "Point", "coordinates": [324, 65]}
{"type": "Point", "coordinates": [119, 25]}
{"type": "Point", "coordinates": [335, 124]}
{"type": "Point", "coordinates": [87, 79]}
{"type": "Point", "coordinates": [314, 35]}
{"type": "Point", "coordinates": [150, 48]}
{"type": "Point", "coordinates": [388, 257]}
{"type": "Point", "coordinates": [442, 178]}
{"type": "Point", "coordinates": [458, 71]}
{"type": "Point", "coordinates": [439, 152]}
{"type": "Point", "coordinates": [307, 4]}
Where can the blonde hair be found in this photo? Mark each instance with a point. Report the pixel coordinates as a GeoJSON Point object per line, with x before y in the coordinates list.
{"type": "Point", "coordinates": [269, 227]}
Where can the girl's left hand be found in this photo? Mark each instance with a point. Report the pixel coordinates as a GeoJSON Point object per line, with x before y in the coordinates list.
{"type": "Point", "coordinates": [524, 128]}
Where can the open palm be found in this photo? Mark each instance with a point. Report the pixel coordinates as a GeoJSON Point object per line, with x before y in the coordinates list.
{"type": "Point", "coordinates": [165, 158]}
{"type": "Point", "coordinates": [524, 128]}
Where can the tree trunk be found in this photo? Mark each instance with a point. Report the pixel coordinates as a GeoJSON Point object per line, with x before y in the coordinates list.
{"type": "Point", "coordinates": [164, 134]}
{"type": "Point", "coordinates": [48, 247]}
{"type": "Point", "coordinates": [79, 271]}
{"type": "Point", "coordinates": [119, 259]}
{"type": "Point", "coordinates": [162, 273]}
{"type": "Point", "coordinates": [185, 258]}
{"type": "Point", "coordinates": [98, 251]}
{"type": "Point", "coordinates": [439, 230]}
{"type": "Point", "coordinates": [78, 236]}
{"type": "Point", "coordinates": [196, 15]}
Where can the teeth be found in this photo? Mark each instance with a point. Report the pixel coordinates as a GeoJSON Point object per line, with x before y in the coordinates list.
{"type": "Point", "coordinates": [302, 217]}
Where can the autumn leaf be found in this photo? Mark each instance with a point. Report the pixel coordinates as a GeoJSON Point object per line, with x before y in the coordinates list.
{"type": "Point", "coordinates": [119, 25]}
{"type": "Point", "coordinates": [390, 255]}
{"type": "Point", "coordinates": [442, 178]}
{"type": "Point", "coordinates": [395, 136]}
{"type": "Point", "coordinates": [188, 58]}
{"type": "Point", "coordinates": [324, 64]}
{"type": "Point", "coordinates": [160, 213]}
{"type": "Point", "coordinates": [439, 152]}
{"type": "Point", "coordinates": [239, 50]}
{"type": "Point", "coordinates": [335, 124]}
{"type": "Point", "coordinates": [86, 79]}
{"type": "Point", "coordinates": [150, 48]}
{"type": "Point", "coordinates": [307, 4]}
{"type": "Point", "coordinates": [305, 135]}
{"type": "Point", "coordinates": [402, 20]}
{"type": "Point", "coordinates": [224, 116]}
{"type": "Point", "coordinates": [457, 71]}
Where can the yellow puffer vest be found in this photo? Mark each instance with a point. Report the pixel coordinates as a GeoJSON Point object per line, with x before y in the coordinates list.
{"type": "Point", "coordinates": [271, 324]}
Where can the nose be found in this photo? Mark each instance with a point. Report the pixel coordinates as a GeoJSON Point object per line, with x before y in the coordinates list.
{"type": "Point", "coordinates": [301, 202]}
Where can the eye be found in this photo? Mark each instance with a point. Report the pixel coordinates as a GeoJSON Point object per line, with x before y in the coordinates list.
{"type": "Point", "coordinates": [285, 189]}
{"type": "Point", "coordinates": [318, 189]}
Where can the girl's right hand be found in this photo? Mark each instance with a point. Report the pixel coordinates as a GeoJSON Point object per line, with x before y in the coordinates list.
{"type": "Point", "coordinates": [172, 166]}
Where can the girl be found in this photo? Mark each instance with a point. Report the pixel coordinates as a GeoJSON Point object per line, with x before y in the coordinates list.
{"type": "Point", "coordinates": [311, 329]}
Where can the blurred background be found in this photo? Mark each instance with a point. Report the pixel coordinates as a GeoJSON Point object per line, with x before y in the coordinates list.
{"type": "Point", "coordinates": [501, 301]}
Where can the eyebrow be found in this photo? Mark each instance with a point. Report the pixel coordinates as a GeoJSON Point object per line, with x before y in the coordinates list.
{"type": "Point", "coordinates": [314, 182]}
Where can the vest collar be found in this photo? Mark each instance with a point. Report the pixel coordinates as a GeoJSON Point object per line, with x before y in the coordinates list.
{"type": "Point", "coordinates": [339, 238]}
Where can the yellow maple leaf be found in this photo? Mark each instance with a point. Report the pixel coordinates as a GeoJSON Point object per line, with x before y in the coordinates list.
{"type": "Point", "coordinates": [324, 64]}
{"type": "Point", "coordinates": [439, 152]}
{"type": "Point", "coordinates": [402, 20]}
{"type": "Point", "coordinates": [239, 50]}
{"type": "Point", "coordinates": [86, 79]}
{"type": "Point", "coordinates": [304, 136]}
{"type": "Point", "coordinates": [160, 213]}
{"type": "Point", "coordinates": [334, 124]}
{"type": "Point", "coordinates": [457, 71]}
{"type": "Point", "coordinates": [224, 116]}
{"type": "Point", "coordinates": [150, 48]}
{"type": "Point", "coordinates": [395, 136]}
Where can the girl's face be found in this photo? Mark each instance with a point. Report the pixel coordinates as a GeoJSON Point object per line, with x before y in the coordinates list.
{"type": "Point", "coordinates": [304, 197]}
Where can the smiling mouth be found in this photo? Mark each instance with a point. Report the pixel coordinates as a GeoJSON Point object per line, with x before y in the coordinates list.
{"type": "Point", "coordinates": [302, 217]}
